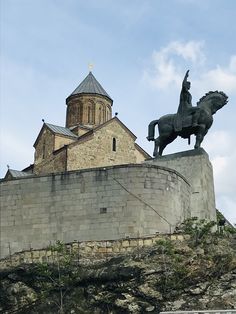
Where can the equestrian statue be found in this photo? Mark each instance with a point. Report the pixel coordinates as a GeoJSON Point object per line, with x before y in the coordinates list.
{"type": "Point", "coordinates": [188, 120]}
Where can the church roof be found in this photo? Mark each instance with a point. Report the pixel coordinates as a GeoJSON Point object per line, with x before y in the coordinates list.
{"type": "Point", "coordinates": [56, 129]}
{"type": "Point", "coordinates": [60, 130]}
{"type": "Point", "coordinates": [90, 86]}
{"type": "Point", "coordinates": [16, 174]}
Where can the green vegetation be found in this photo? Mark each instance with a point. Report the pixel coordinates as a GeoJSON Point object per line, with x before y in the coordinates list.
{"type": "Point", "coordinates": [56, 277]}
{"type": "Point", "coordinates": [191, 273]}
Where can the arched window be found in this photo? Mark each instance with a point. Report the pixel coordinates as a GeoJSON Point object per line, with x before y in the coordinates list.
{"type": "Point", "coordinates": [114, 144]}
{"type": "Point", "coordinates": [100, 115]}
{"type": "Point", "coordinates": [89, 114]}
{"type": "Point", "coordinates": [73, 113]}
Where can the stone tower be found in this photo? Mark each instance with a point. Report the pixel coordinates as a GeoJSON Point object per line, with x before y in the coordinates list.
{"type": "Point", "coordinates": [88, 106]}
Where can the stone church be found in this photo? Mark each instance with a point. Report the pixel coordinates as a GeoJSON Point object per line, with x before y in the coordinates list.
{"type": "Point", "coordinates": [91, 136]}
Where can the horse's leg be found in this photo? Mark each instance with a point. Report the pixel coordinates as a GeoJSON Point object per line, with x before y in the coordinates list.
{"type": "Point", "coordinates": [151, 130]}
{"type": "Point", "coordinates": [200, 136]}
{"type": "Point", "coordinates": [165, 141]}
{"type": "Point", "coordinates": [156, 147]}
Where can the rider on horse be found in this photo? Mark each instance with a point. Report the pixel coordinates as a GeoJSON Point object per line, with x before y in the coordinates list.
{"type": "Point", "coordinates": [185, 106]}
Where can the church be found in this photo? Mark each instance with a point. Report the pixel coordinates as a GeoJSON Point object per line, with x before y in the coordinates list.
{"type": "Point", "coordinates": [92, 137]}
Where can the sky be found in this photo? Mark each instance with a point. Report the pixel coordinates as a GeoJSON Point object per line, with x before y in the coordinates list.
{"type": "Point", "coordinates": [140, 50]}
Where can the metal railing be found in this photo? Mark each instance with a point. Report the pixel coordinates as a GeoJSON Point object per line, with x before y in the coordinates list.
{"type": "Point", "coordinates": [201, 312]}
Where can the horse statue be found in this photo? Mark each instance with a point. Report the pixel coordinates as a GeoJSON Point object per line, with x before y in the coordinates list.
{"type": "Point", "coordinates": [168, 132]}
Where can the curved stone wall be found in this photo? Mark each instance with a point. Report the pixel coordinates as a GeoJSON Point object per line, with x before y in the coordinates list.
{"type": "Point", "coordinates": [94, 204]}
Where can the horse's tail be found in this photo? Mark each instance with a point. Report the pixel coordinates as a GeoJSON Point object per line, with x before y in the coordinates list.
{"type": "Point", "coordinates": [151, 130]}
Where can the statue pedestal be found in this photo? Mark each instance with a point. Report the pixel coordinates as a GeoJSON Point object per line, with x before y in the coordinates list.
{"type": "Point", "coordinates": [195, 166]}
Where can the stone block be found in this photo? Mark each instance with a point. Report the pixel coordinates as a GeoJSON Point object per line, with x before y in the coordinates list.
{"type": "Point", "coordinates": [116, 249]}
{"type": "Point", "coordinates": [102, 249]}
{"type": "Point", "coordinates": [180, 237]}
{"type": "Point", "coordinates": [133, 243]}
{"type": "Point", "coordinates": [147, 242]}
{"type": "Point", "coordinates": [125, 243]}
{"type": "Point", "coordinates": [140, 242]}
{"type": "Point", "coordinates": [35, 254]}
{"type": "Point", "coordinates": [129, 249]}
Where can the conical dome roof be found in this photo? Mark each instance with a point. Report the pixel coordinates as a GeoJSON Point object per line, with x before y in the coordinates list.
{"type": "Point", "coordinates": [90, 86]}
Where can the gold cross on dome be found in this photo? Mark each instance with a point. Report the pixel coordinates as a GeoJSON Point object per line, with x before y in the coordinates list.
{"type": "Point", "coordinates": [90, 66]}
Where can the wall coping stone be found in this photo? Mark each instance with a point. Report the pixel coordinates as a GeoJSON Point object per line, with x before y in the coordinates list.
{"type": "Point", "coordinates": [95, 169]}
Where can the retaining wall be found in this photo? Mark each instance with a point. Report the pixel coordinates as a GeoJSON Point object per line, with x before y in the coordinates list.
{"type": "Point", "coordinates": [89, 252]}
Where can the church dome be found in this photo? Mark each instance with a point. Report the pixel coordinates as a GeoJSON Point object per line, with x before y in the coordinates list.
{"type": "Point", "coordinates": [90, 86]}
{"type": "Point", "coordinates": [88, 106]}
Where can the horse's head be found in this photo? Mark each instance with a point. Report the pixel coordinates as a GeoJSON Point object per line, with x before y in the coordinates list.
{"type": "Point", "coordinates": [213, 100]}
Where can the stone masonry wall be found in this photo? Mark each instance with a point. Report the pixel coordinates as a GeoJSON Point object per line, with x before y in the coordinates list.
{"type": "Point", "coordinates": [94, 204]}
{"type": "Point", "coordinates": [60, 141]}
{"type": "Point", "coordinates": [97, 151]}
{"type": "Point", "coordinates": [195, 166]}
{"type": "Point", "coordinates": [88, 251]}
{"type": "Point", "coordinates": [56, 162]}
{"type": "Point", "coordinates": [77, 110]}
{"type": "Point", "coordinates": [44, 146]}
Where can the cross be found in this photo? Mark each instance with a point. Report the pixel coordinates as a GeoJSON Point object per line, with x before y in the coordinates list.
{"type": "Point", "coordinates": [90, 66]}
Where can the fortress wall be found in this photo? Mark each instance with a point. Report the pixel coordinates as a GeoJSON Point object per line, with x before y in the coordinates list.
{"type": "Point", "coordinates": [95, 204]}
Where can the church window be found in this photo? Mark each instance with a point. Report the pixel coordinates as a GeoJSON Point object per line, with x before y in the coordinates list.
{"type": "Point", "coordinates": [89, 114]}
{"type": "Point", "coordinates": [100, 115]}
{"type": "Point", "coordinates": [114, 144]}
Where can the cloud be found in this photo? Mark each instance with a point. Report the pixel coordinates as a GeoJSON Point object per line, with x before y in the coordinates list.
{"type": "Point", "coordinates": [219, 143]}
{"type": "Point", "coordinates": [169, 64]}
{"type": "Point", "coordinates": [220, 146]}
{"type": "Point", "coordinates": [221, 78]}
{"type": "Point", "coordinates": [190, 51]}
{"type": "Point", "coordinates": [166, 72]}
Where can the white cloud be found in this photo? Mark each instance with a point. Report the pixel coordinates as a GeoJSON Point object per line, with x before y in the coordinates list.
{"type": "Point", "coordinates": [220, 147]}
{"type": "Point", "coordinates": [219, 78]}
{"type": "Point", "coordinates": [219, 143]}
{"type": "Point", "coordinates": [190, 51]}
{"type": "Point", "coordinates": [169, 66]}
{"type": "Point", "coordinates": [166, 72]}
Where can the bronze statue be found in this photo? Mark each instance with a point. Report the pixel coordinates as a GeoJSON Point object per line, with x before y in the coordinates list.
{"type": "Point", "coordinates": [188, 120]}
{"type": "Point", "coordinates": [185, 106]}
